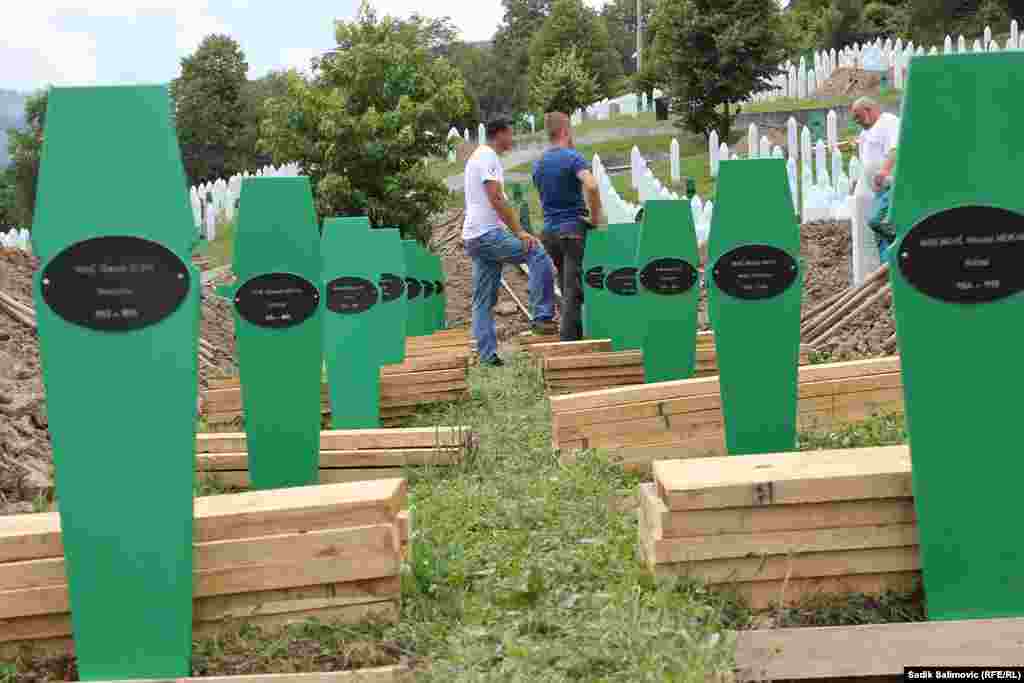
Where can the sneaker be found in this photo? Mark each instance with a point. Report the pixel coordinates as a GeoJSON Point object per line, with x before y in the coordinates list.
{"type": "Point", "coordinates": [546, 328]}
{"type": "Point", "coordinates": [493, 363]}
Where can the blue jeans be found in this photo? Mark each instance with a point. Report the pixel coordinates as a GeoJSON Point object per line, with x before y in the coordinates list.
{"type": "Point", "coordinates": [490, 252]}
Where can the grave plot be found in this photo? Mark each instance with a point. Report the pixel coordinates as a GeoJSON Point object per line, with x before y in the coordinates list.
{"type": "Point", "coordinates": [430, 378]}
{"type": "Point", "coordinates": [780, 528]}
{"type": "Point", "coordinates": [345, 455]}
{"type": "Point", "coordinates": [683, 419]}
{"type": "Point", "coordinates": [267, 557]}
{"type": "Point", "coordinates": [575, 369]}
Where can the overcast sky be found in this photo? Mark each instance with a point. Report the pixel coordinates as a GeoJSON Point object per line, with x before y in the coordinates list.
{"type": "Point", "coordinates": [78, 42]}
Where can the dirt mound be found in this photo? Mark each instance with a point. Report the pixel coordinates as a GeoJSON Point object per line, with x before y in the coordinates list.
{"type": "Point", "coordinates": [825, 248]}
{"type": "Point", "coordinates": [848, 82]}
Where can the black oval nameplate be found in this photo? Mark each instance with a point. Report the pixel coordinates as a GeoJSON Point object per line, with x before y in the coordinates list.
{"type": "Point", "coordinates": [277, 300]}
{"type": "Point", "coordinates": [755, 271]}
{"type": "Point", "coordinates": [351, 295]}
{"type": "Point", "coordinates": [412, 288]}
{"type": "Point", "coordinates": [965, 255]}
{"type": "Point", "coordinates": [438, 287]}
{"type": "Point", "coordinates": [668, 276]}
{"type": "Point", "coordinates": [428, 288]}
{"type": "Point", "coordinates": [391, 287]}
{"type": "Point", "coordinates": [115, 284]}
{"type": "Point", "coordinates": [595, 277]}
{"type": "Point", "coordinates": [622, 282]}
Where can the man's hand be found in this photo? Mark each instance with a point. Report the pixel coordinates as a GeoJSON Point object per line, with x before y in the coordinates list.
{"type": "Point", "coordinates": [598, 219]}
{"type": "Point", "coordinates": [881, 181]}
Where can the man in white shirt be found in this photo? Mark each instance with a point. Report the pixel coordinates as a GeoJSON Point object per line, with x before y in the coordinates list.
{"type": "Point", "coordinates": [493, 236]}
{"type": "Point", "coordinates": [878, 157]}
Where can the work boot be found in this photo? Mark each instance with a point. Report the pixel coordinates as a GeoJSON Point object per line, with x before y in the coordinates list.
{"type": "Point", "coordinates": [545, 328]}
{"type": "Point", "coordinates": [493, 363]}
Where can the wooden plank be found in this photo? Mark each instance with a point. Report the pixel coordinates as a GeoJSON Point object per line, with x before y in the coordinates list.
{"type": "Point", "coordinates": [665, 523]}
{"type": "Point", "coordinates": [353, 439]}
{"type": "Point", "coordinates": [609, 372]}
{"type": "Point", "coordinates": [389, 674]}
{"type": "Point", "coordinates": [453, 360]}
{"type": "Point", "coordinates": [560, 348]}
{"type": "Point", "coordinates": [729, 546]}
{"type": "Point", "coordinates": [239, 479]}
{"type": "Point", "coordinates": [247, 565]}
{"type": "Point", "coordinates": [594, 360]}
{"type": "Point", "coordinates": [704, 386]}
{"type": "Point", "coordinates": [242, 515]}
{"type": "Point", "coordinates": [877, 650]}
{"type": "Point", "coordinates": [388, 392]}
{"type": "Point", "coordinates": [785, 478]}
{"type": "Point", "coordinates": [422, 399]}
{"type": "Point", "coordinates": [395, 457]}
{"type": "Point", "coordinates": [761, 595]}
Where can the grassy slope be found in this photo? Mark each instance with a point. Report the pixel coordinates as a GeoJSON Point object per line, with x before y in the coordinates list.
{"type": "Point", "coordinates": [793, 104]}
{"type": "Point", "coordinates": [525, 570]}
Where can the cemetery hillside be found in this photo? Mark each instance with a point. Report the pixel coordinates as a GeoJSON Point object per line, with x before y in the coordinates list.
{"type": "Point", "coordinates": [251, 429]}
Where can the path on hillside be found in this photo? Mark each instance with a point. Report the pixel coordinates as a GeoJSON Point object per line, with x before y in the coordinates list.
{"type": "Point", "coordinates": [525, 155]}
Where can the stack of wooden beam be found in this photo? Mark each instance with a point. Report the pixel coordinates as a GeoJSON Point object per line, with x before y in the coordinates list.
{"type": "Point", "coordinates": [559, 349]}
{"type": "Point", "coordinates": [457, 339]}
{"type": "Point", "coordinates": [345, 455]}
{"type": "Point", "coordinates": [781, 527]}
{"type": "Point", "coordinates": [525, 341]}
{"type": "Point", "coordinates": [430, 378]}
{"type": "Point", "coordinates": [570, 369]}
{"type": "Point", "coordinates": [269, 558]}
{"type": "Point", "coordinates": [683, 419]}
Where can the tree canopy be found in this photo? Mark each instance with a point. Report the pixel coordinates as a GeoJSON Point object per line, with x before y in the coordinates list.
{"type": "Point", "coordinates": [572, 25]}
{"type": "Point", "coordinates": [562, 84]}
{"type": "Point", "coordinates": [361, 127]}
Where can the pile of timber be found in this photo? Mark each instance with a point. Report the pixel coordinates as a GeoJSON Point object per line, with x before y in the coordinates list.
{"type": "Point", "coordinates": [431, 378]}
{"type": "Point", "coordinates": [345, 455]}
{"type": "Point", "coordinates": [270, 558]}
{"type": "Point", "coordinates": [825, 320]}
{"type": "Point", "coordinates": [577, 368]}
{"type": "Point", "coordinates": [683, 419]}
{"type": "Point", "coordinates": [781, 527]}
{"type": "Point", "coordinates": [455, 340]}
{"type": "Point", "coordinates": [525, 341]}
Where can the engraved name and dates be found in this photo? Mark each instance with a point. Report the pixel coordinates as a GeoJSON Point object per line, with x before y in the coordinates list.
{"type": "Point", "coordinates": [755, 271]}
{"type": "Point", "coordinates": [115, 284]}
{"type": "Point", "coordinates": [965, 255]}
{"type": "Point", "coordinates": [277, 300]}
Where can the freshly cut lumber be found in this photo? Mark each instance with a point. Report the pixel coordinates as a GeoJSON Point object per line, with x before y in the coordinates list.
{"type": "Point", "coordinates": [847, 652]}
{"type": "Point", "coordinates": [560, 348]}
{"type": "Point", "coordinates": [350, 439]}
{"type": "Point", "coordinates": [782, 527]}
{"type": "Point", "coordinates": [382, 457]}
{"type": "Point", "coordinates": [269, 557]}
{"type": "Point", "coordinates": [387, 674]}
{"type": "Point", "coordinates": [769, 479]}
{"type": "Point", "coordinates": [640, 422]}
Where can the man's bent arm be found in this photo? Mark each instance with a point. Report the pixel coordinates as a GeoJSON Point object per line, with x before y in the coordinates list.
{"type": "Point", "coordinates": [593, 193]}
{"type": "Point", "coordinates": [497, 198]}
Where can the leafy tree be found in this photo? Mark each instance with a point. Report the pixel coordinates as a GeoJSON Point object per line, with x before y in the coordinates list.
{"type": "Point", "coordinates": [563, 84]}
{"type": "Point", "coordinates": [573, 25]}
{"type": "Point", "coordinates": [521, 21]}
{"type": "Point", "coordinates": [713, 54]}
{"type": "Point", "coordinates": [361, 127]}
{"type": "Point", "coordinates": [840, 24]}
{"type": "Point", "coordinates": [25, 148]}
{"type": "Point", "coordinates": [209, 109]}
{"type": "Point", "coordinates": [485, 75]}
{"type": "Point", "coordinates": [620, 17]}
{"type": "Point", "coordinates": [7, 197]}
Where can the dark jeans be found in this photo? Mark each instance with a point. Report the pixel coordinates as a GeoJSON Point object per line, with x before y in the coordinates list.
{"type": "Point", "coordinates": [566, 250]}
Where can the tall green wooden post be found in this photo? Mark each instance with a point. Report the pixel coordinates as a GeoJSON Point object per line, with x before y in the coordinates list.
{"type": "Point", "coordinates": [117, 304]}
{"type": "Point", "coordinates": [595, 296]}
{"type": "Point", "coordinates": [754, 293]}
{"type": "Point", "coordinates": [667, 260]}
{"type": "Point", "coordinates": [279, 328]}
{"type": "Point", "coordinates": [359, 328]}
{"type": "Point", "coordinates": [390, 256]}
{"type": "Point", "coordinates": [418, 322]}
{"type": "Point", "coordinates": [957, 286]}
{"type": "Point", "coordinates": [435, 275]}
{"type": "Point", "coordinates": [627, 325]}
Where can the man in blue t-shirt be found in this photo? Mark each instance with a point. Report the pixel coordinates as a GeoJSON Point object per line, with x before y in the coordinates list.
{"type": "Point", "coordinates": [563, 178]}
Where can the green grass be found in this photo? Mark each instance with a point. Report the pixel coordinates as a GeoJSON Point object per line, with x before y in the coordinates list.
{"type": "Point", "coordinates": [220, 250]}
{"type": "Point", "coordinates": [617, 152]}
{"type": "Point", "coordinates": [523, 569]}
{"type": "Point", "coordinates": [793, 104]}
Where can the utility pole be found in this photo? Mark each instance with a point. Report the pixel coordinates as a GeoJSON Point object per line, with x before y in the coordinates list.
{"type": "Point", "coordinates": [639, 36]}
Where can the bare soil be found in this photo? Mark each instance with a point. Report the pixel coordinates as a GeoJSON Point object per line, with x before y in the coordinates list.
{"type": "Point", "coordinates": [848, 82]}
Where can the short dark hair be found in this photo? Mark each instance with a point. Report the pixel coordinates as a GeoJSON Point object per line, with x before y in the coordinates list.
{"type": "Point", "coordinates": [496, 126]}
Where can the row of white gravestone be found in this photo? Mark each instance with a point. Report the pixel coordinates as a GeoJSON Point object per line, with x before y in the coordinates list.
{"type": "Point", "coordinates": [627, 105]}
{"type": "Point", "coordinates": [649, 187]}
{"type": "Point", "coordinates": [16, 239]}
{"type": "Point", "coordinates": [799, 81]}
{"type": "Point", "coordinates": [218, 200]}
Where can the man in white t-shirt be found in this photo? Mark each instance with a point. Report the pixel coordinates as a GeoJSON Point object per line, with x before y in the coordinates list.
{"type": "Point", "coordinates": [877, 145]}
{"type": "Point", "coordinates": [493, 236]}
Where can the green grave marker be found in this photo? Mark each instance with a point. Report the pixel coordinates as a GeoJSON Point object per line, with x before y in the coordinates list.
{"type": "Point", "coordinates": [359, 329]}
{"type": "Point", "coordinates": [417, 321]}
{"type": "Point", "coordinates": [434, 274]}
{"type": "Point", "coordinates": [957, 281]}
{"type": "Point", "coordinates": [754, 289]}
{"type": "Point", "coordinates": [595, 296]}
{"type": "Point", "coordinates": [117, 304]}
{"type": "Point", "coordinates": [390, 257]}
{"type": "Point", "coordinates": [667, 260]}
{"type": "Point", "coordinates": [279, 329]}
{"type": "Point", "coordinates": [624, 319]}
